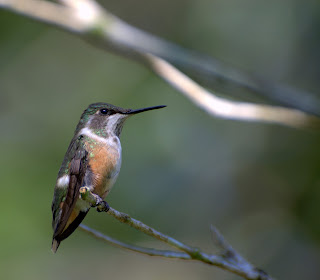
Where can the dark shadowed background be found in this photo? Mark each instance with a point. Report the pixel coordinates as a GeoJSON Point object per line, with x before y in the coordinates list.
{"type": "Point", "coordinates": [182, 169]}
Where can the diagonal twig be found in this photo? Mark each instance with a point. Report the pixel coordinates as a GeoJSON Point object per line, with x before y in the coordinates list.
{"type": "Point", "coordinates": [138, 249]}
{"type": "Point", "coordinates": [229, 259]}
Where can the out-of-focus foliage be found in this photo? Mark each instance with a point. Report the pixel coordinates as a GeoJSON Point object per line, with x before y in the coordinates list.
{"type": "Point", "coordinates": [182, 170]}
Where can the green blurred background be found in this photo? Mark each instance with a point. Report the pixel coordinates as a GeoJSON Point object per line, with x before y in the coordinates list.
{"type": "Point", "coordinates": [182, 170]}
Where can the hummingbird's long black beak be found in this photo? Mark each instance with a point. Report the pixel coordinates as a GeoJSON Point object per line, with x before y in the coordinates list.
{"type": "Point", "coordinates": [137, 111]}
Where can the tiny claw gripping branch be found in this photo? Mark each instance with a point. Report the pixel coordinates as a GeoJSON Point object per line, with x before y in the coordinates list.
{"type": "Point", "coordinates": [103, 206]}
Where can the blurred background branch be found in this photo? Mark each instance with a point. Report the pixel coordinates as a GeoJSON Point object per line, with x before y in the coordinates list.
{"type": "Point", "coordinates": [88, 19]}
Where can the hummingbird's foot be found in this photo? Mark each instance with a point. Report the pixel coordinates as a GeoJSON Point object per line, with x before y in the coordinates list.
{"type": "Point", "coordinates": [103, 206]}
{"type": "Point", "coordinates": [94, 200]}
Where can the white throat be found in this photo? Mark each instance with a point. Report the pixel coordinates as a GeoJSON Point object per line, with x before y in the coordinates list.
{"type": "Point", "coordinates": [115, 122]}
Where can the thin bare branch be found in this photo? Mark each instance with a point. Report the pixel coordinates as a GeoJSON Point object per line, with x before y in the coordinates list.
{"type": "Point", "coordinates": [229, 259]}
{"type": "Point", "coordinates": [207, 70]}
{"type": "Point", "coordinates": [44, 11]}
{"type": "Point", "coordinates": [90, 21]}
{"type": "Point", "coordinates": [229, 252]}
{"type": "Point", "coordinates": [223, 108]}
{"type": "Point", "coordinates": [138, 249]}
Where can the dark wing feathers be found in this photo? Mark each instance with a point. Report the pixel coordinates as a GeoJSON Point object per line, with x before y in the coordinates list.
{"type": "Point", "coordinates": [72, 227]}
{"type": "Point", "coordinates": [78, 166]}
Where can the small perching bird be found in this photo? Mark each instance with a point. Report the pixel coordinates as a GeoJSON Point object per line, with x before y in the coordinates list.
{"type": "Point", "coordinates": [93, 160]}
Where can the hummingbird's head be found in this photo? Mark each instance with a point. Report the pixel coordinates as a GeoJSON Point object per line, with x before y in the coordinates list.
{"type": "Point", "coordinates": [105, 119]}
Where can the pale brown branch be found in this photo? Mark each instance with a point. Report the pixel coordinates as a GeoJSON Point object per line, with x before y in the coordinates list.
{"type": "Point", "coordinates": [44, 11]}
{"type": "Point", "coordinates": [223, 108]}
{"type": "Point", "coordinates": [89, 20]}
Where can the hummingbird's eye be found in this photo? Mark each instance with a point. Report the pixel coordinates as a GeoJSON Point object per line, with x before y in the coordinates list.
{"type": "Point", "coordinates": [104, 111]}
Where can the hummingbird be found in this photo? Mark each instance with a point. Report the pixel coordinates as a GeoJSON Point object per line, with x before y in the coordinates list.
{"type": "Point", "coordinates": [93, 160]}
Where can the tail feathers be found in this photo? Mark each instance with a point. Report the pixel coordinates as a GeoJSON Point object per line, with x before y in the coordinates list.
{"type": "Point", "coordinates": [55, 245]}
{"type": "Point", "coordinates": [57, 238]}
